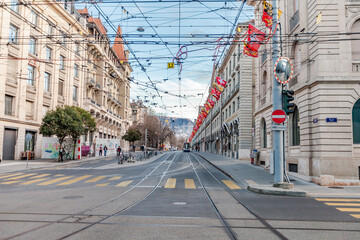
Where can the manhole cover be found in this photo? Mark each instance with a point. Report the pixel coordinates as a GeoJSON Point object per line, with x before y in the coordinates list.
{"type": "Point", "coordinates": [337, 187]}
{"type": "Point", "coordinates": [179, 203]}
{"type": "Point", "coordinates": [73, 197]}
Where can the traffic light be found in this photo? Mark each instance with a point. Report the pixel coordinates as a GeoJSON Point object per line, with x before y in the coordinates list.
{"type": "Point", "coordinates": [287, 97]}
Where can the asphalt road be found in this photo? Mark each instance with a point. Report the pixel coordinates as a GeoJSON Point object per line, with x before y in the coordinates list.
{"type": "Point", "coordinates": [177, 196]}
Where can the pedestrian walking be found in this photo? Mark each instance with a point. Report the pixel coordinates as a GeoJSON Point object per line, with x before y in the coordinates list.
{"type": "Point", "coordinates": [61, 153]}
{"type": "Point", "coordinates": [105, 150]}
{"type": "Point", "coordinates": [100, 150]}
{"type": "Point", "coordinates": [133, 148]}
{"type": "Point", "coordinates": [118, 150]}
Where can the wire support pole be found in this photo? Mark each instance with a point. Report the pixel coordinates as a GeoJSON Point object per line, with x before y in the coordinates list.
{"type": "Point", "coordinates": [277, 104]}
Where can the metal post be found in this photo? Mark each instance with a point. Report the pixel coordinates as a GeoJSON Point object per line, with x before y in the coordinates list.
{"type": "Point", "coordinates": [27, 154]}
{"type": "Point", "coordinates": [146, 133]}
{"type": "Point", "coordinates": [277, 104]}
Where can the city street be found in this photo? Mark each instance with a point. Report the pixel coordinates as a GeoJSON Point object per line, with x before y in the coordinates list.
{"type": "Point", "coordinates": [176, 196]}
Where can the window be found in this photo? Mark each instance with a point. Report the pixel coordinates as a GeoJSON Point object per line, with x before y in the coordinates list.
{"type": "Point", "coordinates": [233, 106]}
{"type": "Point", "coordinates": [34, 18]}
{"type": "Point", "coordinates": [75, 93]}
{"type": "Point", "coordinates": [356, 122]}
{"type": "Point", "coordinates": [47, 82]}
{"type": "Point", "coordinates": [238, 103]}
{"type": "Point", "coordinates": [31, 75]}
{"type": "Point", "coordinates": [9, 102]}
{"type": "Point", "coordinates": [355, 43]}
{"type": "Point", "coordinates": [296, 58]}
{"type": "Point", "coordinates": [263, 134]}
{"type": "Point", "coordinates": [32, 45]}
{"type": "Point", "coordinates": [29, 109]}
{"type": "Point", "coordinates": [76, 70]}
{"type": "Point", "coordinates": [45, 110]}
{"type": "Point", "coordinates": [63, 39]}
{"type": "Point", "coordinates": [61, 88]}
{"type": "Point", "coordinates": [62, 62]}
{"type": "Point", "coordinates": [14, 5]}
{"type": "Point", "coordinates": [50, 29]}
{"type": "Point", "coordinates": [263, 85]}
{"type": "Point", "coordinates": [77, 48]}
{"type": "Point", "coordinates": [295, 128]}
{"type": "Point", "coordinates": [229, 110]}
{"type": "Point", "coordinates": [13, 34]}
{"type": "Point", "coordinates": [48, 54]}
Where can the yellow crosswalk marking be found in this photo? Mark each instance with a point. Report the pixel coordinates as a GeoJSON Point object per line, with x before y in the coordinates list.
{"type": "Point", "coordinates": [10, 175]}
{"type": "Point", "coordinates": [23, 176]}
{"type": "Point", "coordinates": [337, 200]}
{"type": "Point", "coordinates": [55, 180]}
{"type": "Point", "coordinates": [34, 181]}
{"type": "Point", "coordinates": [10, 182]}
{"type": "Point", "coordinates": [95, 179]}
{"type": "Point", "coordinates": [124, 184]}
{"type": "Point", "coordinates": [231, 184]}
{"type": "Point", "coordinates": [75, 180]}
{"type": "Point", "coordinates": [115, 178]}
{"type": "Point", "coordinates": [170, 183]}
{"type": "Point", "coordinates": [344, 204]}
{"type": "Point", "coordinates": [251, 182]}
{"type": "Point", "coordinates": [355, 215]}
{"type": "Point", "coordinates": [102, 184]}
{"type": "Point", "coordinates": [189, 183]}
{"type": "Point", "coordinates": [349, 209]}
{"type": "Point", "coordinates": [59, 175]}
{"type": "Point", "coordinates": [40, 176]}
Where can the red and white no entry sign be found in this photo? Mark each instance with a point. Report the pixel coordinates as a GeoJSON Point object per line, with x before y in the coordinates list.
{"type": "Point", "coordinates": [278, 116]}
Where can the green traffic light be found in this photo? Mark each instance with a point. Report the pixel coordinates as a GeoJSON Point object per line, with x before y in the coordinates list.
{"type": "Point", "coordinates": [287, 97]}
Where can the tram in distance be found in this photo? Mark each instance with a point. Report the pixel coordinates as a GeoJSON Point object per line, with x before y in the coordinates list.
{"type": "Point", "coordinates": [186, 147]}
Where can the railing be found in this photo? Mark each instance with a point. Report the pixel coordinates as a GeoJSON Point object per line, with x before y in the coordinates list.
{"type": "Point", "coordinates": [294, 20]}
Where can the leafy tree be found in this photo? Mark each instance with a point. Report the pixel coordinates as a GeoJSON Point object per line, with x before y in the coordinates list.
{"type": "Point", "coordinates": [86, 123]}
{"type": "Point", "coordinates": [132, 135]}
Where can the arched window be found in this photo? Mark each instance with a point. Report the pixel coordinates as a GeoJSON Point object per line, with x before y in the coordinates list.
{"type": "Point", "coordinates": [263, 85]}
{"type": "Point", "coordinates": [355, 44]}
{"type": "Point", "coordinates": [356, 122]}
{"type": "Point", "coordinates": [295, 128]}
{"type": "Point", "coordinates": [263, 135]}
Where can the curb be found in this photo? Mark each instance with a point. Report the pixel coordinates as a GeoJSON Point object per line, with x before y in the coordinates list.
{"type": "Point", "coordinates": [277, 192]}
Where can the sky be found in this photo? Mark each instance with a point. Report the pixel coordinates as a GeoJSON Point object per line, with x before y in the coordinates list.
{"type": "Point", "coordinates": [155, 31]}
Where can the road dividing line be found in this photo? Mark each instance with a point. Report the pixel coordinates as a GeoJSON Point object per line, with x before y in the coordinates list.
{"type": "Point", "coordinates": [231, 185]}
{"type": "Point", "coordinates": [75, 180]}
{"type": "Point", "coordinates": [355, 215]}
{"type": "Point", "coordinates": [23, 176]}
{"type": "Point", "coordinates": [102, 184]}
{"type": "Point", "coordinates": [170, 183]}
{"type": "Point", "coordinates": [95, 179]}
{"type": "Point", "coordinates": [349, 209]}
{"type": "Point", "coordinates": [40, 176]}
{"type": "Point", "coordinates": [115, 178]}
{"type": "Point", "coordinates": [189, 184]}
{"type": "Point", "coordinates": [344, 204]}
{"type": "Point", "coordinates": [10, 182]}
{"type": "Point", "coordinates": [55, 180]}
{"type": "Point", "coordinates": [15, 174]}
{"type": "Point", "coordinates": [124, 184]}
{"type": "Point", "coordinates": [337, 200]}
{"type": "Point", "coordinates": [251, 182]}
{"type": "Point", "coordinates": [34, 181]}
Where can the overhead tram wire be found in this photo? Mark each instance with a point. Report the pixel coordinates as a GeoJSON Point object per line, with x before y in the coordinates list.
{"type": "Point", "coordinates": [101, 12]}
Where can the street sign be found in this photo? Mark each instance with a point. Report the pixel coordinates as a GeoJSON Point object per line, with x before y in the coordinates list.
{"type": "Point", "coordinates": [28, 137]}
{"type": "Point", "coordinates": [331, 119]}
{"type": "Point", "coordinates": [278, 127]}
{"type": "Point", "coordinates": [170, 65]}
{"type": "Point", "coordinates": [278, 116]}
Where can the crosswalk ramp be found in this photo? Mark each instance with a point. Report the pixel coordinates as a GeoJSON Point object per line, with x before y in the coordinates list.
{"type": "Point", "coordinates": [348, 205]}
{"type": "Point", "coordinates": [47, 179]}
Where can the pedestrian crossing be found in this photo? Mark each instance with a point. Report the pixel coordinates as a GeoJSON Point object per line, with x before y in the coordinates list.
{"type": "Point", "coordinates": [47, 179]}
{"type": "Point", "coordinates": [348, 205]}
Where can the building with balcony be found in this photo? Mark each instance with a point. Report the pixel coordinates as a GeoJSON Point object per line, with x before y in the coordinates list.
{"type": "Point", "coordinates": [323, 134]}
{"type": "Point", "coordinates": [139, 111]}
{"type": "Point", "coordinates": [228, 127]}
{"type": "Point", "coordinates": [45, 64]}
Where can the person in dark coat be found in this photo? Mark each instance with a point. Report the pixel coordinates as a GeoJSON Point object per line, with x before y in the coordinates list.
{"type": "Point", "coordinates": [61, 153]}
{"type": "Point", "coordinates": [105, 150]}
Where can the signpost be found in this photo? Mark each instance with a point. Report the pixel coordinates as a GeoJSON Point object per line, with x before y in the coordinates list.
{"type": "Point", "coordinates": [278, 116]}
{"type": "Point", "coordinates": [28, 138]}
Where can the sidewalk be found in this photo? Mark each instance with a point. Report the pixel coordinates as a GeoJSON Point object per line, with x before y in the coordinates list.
{"type": "Point", "coordinates": [7, 166]}
{"type": "Point", "coordinates": [256, 179]}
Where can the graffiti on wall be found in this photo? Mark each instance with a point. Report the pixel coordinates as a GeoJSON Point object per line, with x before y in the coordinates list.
{"type": "Point", "coordinates": [50, 148]}
{"type": "Point", "coordinates": [111, 144]}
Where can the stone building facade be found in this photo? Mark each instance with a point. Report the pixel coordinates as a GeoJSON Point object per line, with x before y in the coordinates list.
{"type": "Point", "coordinates": [228, 127]}
{"type": "Point", "coordinates": [45, 63]}
{"type": "Point", "coordinates": [323, 135]}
